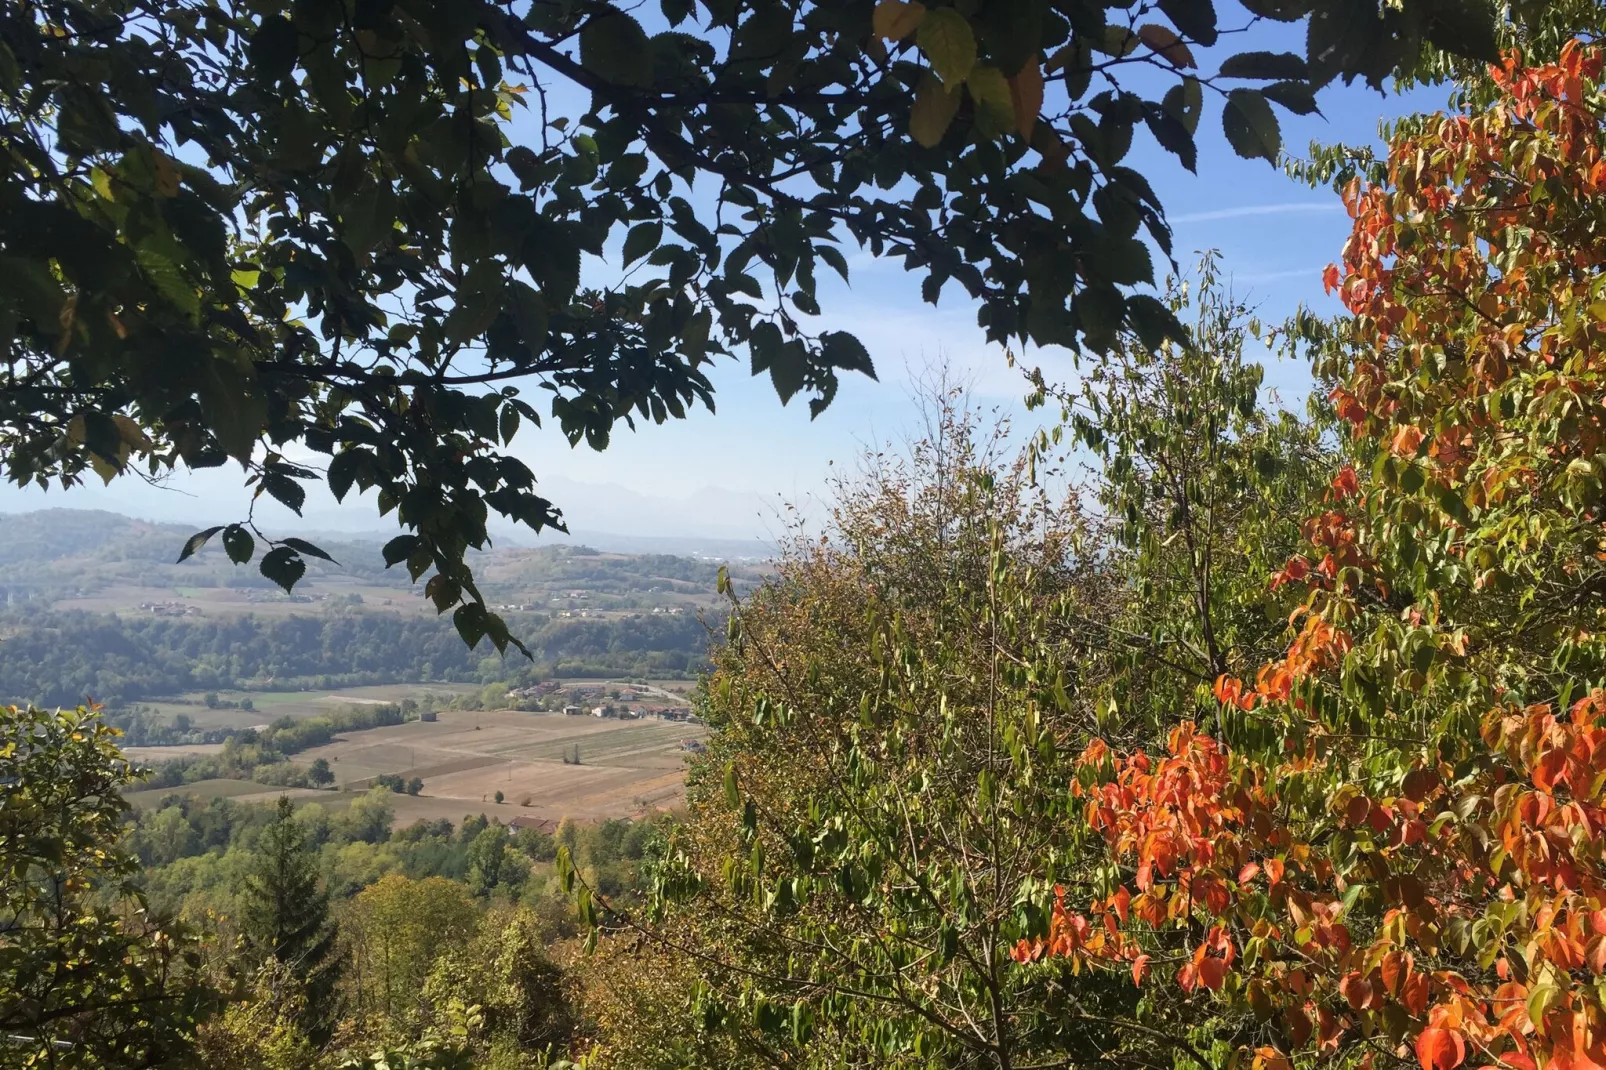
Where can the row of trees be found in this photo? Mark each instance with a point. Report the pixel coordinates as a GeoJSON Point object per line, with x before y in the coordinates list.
{"type": "Point", "coordinates": [63, 657]}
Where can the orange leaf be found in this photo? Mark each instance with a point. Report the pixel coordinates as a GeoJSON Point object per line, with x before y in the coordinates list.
{"type": "Point", "coordinates": [1140, 967]}
{"type": "Point", "coordinates": [1026, 95]}
{"type": "Point", "coordinates": [895, 20]}
{"type": "Point", "coordinates": [1249, 873]}
{"type": "Point", "coordinates": [1165, 43]}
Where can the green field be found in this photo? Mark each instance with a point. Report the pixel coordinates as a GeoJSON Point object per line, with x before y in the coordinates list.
{"type": "Point", "coordinates": [201, 789]}
{"type": "Point", "coordinates": [272, 705]}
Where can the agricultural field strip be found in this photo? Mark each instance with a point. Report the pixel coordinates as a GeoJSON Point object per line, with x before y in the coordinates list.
{"type": "Point", "coordinates": [438, 769]}
{"type": "Point", "coordinates": [601, 746]}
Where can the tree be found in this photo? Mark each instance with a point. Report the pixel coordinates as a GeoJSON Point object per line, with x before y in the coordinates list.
{"type": "Point", "coordinates": [1414, 865]}
{"type": "Point", "coordinates": [395, 929]}
{"type": "Point", "coordinates": [319, 775]}
{"type": "Point", "coordinates": [87, 975]}
{"type": "Point", "coordinates": [285, 916]}
{"type": "Point", "coordinates": [506, 972]}
{"type": "Point", "coordinates": [866, 833]}
{"type": "Point", "coordinates": [416, 785]}
{"type": "Point", "coordinates": [323, 238]}
{"type": "Point", "coordinates": [485, 859]}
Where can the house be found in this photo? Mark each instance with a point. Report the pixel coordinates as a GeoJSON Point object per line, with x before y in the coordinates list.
{"type": "Point", "coordinates": [528, 821]}
{"type": "Point", "coordinates": [572, 711]}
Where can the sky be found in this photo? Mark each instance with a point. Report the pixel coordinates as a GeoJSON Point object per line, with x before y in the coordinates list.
{"type": "Point", "coordinates": [724, 475]}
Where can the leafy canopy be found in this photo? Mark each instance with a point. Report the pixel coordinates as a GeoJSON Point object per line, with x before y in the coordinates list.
{"type": "Point", "coordinates": [311, 237]}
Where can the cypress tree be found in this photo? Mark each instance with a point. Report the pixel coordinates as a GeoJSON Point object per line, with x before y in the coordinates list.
{"type": "Point", "coordinates": [286, 916]}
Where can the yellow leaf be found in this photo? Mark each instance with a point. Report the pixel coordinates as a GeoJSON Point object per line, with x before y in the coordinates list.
{"type": "Point", "coordinates": [1597, 309]}
{"type": "Point", "coordinates": [1118, 41]}
{"type": "Point", "coordinates": [949, 43]}
{"type": "Point", "coordinates": [167, 175]}
{"type": "Point", "coordinates": [933, 111]}
{"type": "Point", "coordinates": [1166, 44]}
{"type": "Point", "coordinates": [131, 433]}
{"type": "Point", "coordinates": [104, 468]}
{"type": "Point", "coordinates": [995, 106]}
{"type": "Point", "coordinates": [1026, 94]}
{"type": "Point", "coordinates": [895, 19]}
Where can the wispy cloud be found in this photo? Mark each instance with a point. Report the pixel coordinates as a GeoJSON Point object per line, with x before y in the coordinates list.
{"type": "Point", "coordinates": [1272, 276]}
{"type": "Point", "coordinates": [1248, 210]}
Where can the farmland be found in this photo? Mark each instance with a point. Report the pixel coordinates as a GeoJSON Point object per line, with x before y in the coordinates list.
{"type": "Point", "coordinates": [268, 706]}
{"type": "Point", "coordinates": [465, 757]}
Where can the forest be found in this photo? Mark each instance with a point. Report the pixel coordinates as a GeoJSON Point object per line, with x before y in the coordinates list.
{"type": "Point", "coordinates": [62, 658]}
{"type": "Point", "coordinates": [1182, 729]}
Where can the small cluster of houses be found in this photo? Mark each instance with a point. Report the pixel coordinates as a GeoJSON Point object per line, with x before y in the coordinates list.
{"type": "Point", "coordinates": [170, 609]}
{"type": "Point", "coordinates": [540, 690]}
{"type": "Point", "coordinates": [633, 713]}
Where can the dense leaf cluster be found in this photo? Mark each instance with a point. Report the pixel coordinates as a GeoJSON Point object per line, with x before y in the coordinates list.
{"type": "Point", "coordinates": [269, 231]}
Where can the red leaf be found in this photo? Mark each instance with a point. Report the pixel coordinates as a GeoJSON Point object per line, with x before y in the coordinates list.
{"type": "Point", "coordinates": [1249, 873]}
{"type": "Point", "coordinates": [1440, 1049]}
{"type": "Point", "coordinates": [1356, 990]}
{"type": "Point", "coordinates": [1213, 973]}
{"type": "Point", "coordinates": [1140, 967]}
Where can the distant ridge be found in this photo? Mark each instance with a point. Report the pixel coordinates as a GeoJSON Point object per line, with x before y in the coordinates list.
{"type": "Point", "coordinates": [91, 529]}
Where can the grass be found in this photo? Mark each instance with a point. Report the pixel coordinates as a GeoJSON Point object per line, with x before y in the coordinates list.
{"type": "Point", "coordinates": [202, 789]}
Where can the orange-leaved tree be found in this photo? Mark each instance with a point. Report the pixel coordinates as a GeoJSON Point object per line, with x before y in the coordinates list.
{"type": "Point", "coordinates": [1414, 869]}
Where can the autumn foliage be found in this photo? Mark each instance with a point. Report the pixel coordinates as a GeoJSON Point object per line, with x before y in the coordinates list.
{"type": "Point", "coordinates": [1415, 870]}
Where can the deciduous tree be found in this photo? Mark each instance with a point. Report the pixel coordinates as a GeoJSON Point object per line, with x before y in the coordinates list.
{"type": "Point", "coordinates": [310, 237]}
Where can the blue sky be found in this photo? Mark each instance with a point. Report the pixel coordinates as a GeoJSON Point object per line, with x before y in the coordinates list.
{"type": "Point", "coordinates": [714, 472]}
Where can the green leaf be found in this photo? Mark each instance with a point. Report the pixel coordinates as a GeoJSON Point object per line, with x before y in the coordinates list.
{"type": "Point", "coordinates": [1540, 1000]}
{"type": "Point", "coordinates": [166, 276]}
{"type": "Point", "coordinates": [286, 490]}
{"type": "Point", "coordinates": [788, 370]}
{"type": "Point", "coordinates": [1185, 101]}
{"type": "Point", "coordinates": [613, 46]}
{"type": "Point", "coordinates": [469, 620]}
{"type": "Point", "coordinates": [302, 546]}
{"type": "Point", "coordinates": [399, 549]}
{"type": "Point", "coordinates": [273, 49]}
{"type": "Point", "coordinates": [764, 346]}
{"type": "Point", "coordinates": [1196, 19]}
{"type": "Point", "coordinates": [1172, 135]}
{"type": "Point", "coordinates": [1464, 28]}
{"type": "Point", "coordinates": [343, 472]}
{"type": "Point", "coordinates": [238, 544]}
{"type": "Point", "coordinates": [843, 350]}
{"type": "Point", "coordinates": [1270, 66]}
{"type": "Point", "coordinates": [642, 239]}
{"type": "Point", "coordinates": [949, 44]}
{"type": "Point", "coordinates": [530, 313]}
{"type": "Point", "coordinates": [283, 566]}
{"type": "Point", "coordinates": [1250, 125]}
{"type": "Point", "coordinates": [1295, 96]}
{"type": "Point", "coordinates": [196, 541]}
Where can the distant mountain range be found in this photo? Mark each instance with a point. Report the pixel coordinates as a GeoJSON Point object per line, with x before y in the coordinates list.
{"type": "Point", "coordinates": [711, 523]}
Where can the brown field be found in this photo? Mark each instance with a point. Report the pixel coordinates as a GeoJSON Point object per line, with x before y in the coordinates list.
{"type": "Point", "coordinates": [466, 757]}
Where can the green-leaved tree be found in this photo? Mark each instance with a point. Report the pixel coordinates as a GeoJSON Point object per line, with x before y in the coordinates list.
{"type": "Point", "coordinates": [360, 240]}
